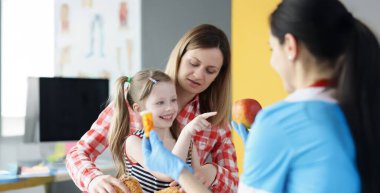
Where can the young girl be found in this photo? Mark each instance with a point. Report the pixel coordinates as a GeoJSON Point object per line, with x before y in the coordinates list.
{"type": "Point", "coordinates": [152, 91]}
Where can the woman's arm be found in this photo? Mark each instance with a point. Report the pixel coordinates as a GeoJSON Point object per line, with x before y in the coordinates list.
{"type": "Point", "coordinates": [217, 142]}
{"type": "Point", "coordinates": [80, 159]}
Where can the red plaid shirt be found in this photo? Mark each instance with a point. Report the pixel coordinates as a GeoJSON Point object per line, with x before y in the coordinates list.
{"type": "Point", "coordinates": [213, 145]}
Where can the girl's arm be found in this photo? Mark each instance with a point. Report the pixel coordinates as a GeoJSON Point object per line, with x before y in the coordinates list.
{"type": "Point", "coordinates": [182, 144]}
{"type": "Point", "coordinates": [195, 161]}
{"type": "Point", "coordinates": [135, 154]}
{"type": "Point", "coordinates": [197, 124]}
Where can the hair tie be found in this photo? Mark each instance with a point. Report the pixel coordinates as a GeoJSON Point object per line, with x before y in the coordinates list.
{"type": "Point", "coordinates": [153, 80]}
{"type": "Point", "coordinates": [129, 80]}
{"type": "Point", "coordinates": [126, 83]}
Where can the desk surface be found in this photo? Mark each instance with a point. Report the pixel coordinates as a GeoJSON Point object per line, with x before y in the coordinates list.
{"type": "Point", "coordinates": [46, 180]}
{"type": "Point", "coordinates": [26, 183]}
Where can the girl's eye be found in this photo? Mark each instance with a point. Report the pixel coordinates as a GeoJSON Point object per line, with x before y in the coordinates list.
{"type": "Point", "coordinates": [174, 100]}
{"type": "Point", "coordinates": [160, 102]}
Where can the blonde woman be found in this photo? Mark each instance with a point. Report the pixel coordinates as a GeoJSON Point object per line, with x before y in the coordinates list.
{"type": "Point", "coordinates": [201, 69]}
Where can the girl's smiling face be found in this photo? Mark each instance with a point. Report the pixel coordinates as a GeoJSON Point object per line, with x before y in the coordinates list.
{"type": "Point", "coordinates": [162, 102]}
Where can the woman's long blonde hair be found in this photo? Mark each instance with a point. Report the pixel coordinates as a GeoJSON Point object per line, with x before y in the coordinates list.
{"type": "Point", "coordinates": [217, 97]}
{"type": "Point", "coordinates": [139, 89]}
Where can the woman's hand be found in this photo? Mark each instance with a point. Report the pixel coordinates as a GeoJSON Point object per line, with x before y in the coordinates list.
{"type": "Point", "coordinates": [199, 123]}
{"type": "Point", "coordinates": [106, 183]}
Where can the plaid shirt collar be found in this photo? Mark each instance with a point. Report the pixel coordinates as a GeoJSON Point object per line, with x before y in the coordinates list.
{"type": "Point", "coordinates": [189, 112]}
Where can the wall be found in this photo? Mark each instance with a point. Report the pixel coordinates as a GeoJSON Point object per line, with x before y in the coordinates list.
{"type": "Point", "coordinates": [367, 11]}
{"type": "Point", "coordinates": [165, 21]}
{"type": "Point", "coordinates": [250, 58]}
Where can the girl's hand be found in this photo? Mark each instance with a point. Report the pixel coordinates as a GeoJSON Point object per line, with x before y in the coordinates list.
{"type": "Point", "coordinates": [106, 183]}
{"type": "Point", "coordinates": [199, 123]}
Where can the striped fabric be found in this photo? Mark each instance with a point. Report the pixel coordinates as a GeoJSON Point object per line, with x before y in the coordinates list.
{"type": "Point", "coordinates": [148, 182]}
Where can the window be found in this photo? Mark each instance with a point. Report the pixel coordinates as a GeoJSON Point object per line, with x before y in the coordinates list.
{"type": "Point", "coordinates": [27, 49]}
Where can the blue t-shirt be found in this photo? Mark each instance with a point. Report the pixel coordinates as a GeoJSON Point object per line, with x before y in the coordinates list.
{"type": "Point", "coordinates": [302, 144]}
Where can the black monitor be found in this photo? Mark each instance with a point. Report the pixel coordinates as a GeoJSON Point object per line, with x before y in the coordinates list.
{"type": "Point", "coordinates": [63, 109]}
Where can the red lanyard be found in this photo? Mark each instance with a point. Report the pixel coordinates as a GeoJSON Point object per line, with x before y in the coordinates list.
{"type": "Point", "coordinates": [321, 83]}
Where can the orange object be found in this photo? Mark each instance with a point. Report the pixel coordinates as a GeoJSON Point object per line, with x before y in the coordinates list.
{"type": "Point", "coordinates": [132, 184]}
{"type": "Point", "coordinates": [147, 121]}
{"type": "Point", "coordinates": [169, 190]}
{"type": "Point", "coordinates": [244, 111]}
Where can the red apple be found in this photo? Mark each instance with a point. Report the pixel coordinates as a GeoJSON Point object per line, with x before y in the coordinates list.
{"type": "Point", "coordinates": [244, 111]}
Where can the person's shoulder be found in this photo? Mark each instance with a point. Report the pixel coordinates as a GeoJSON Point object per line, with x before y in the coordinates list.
{"type": "Point", "coordinates": [306, 109]}
{"type": "Point", "coordinates": [277, 110]}
{"type": "Point", "coordinates": [282, 115]}
{"type": "Point", "coordinates": [320, 106]}
{"type": "Point", "coordinates": [290, 118]}
{"type": "Point", "coordinates": [134, 138]}
{"type": "Point", "coordinates": [138, 134]}
{"type": "Point", "coordinates": [270, 119]}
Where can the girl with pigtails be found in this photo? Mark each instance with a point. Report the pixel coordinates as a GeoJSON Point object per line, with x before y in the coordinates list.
{"type": "Point", "coordinates": [152, 91]}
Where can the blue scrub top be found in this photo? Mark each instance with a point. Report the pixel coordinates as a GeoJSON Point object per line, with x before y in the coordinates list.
{"type": "Point", "coordinates": [302, 144]}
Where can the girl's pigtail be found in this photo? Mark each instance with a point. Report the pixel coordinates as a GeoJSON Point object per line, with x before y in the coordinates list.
{"type": "Point", "coordinates": [119, 127]}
